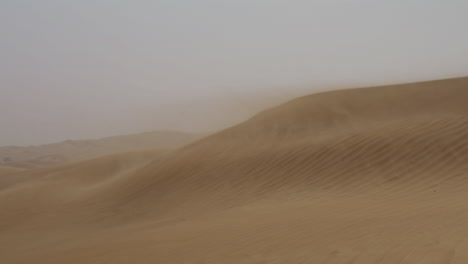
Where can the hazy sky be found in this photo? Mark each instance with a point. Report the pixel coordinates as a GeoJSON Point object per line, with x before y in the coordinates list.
{"type": "Point", "coordinates": [91, 68]}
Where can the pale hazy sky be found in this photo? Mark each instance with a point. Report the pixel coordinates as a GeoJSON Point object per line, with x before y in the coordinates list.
{"type": "Point", "coordinates": [90, 68]}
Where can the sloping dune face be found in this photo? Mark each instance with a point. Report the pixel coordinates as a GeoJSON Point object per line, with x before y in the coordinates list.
{"type": "Point", "coordinates": [371, 175]}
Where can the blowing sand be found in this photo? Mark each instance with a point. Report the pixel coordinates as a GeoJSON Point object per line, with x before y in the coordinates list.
{"type": "Point", "coordinates": [370, 175]}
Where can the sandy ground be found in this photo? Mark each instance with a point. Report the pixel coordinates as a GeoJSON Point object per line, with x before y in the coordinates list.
{"type": "Point", "coordinates": [370, 175]}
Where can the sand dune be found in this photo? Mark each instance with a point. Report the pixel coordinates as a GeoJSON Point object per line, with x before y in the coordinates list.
{"type": "Point", "coordinates": [370, 175]}
{"type": "Point", "coordinates": [74, 150]}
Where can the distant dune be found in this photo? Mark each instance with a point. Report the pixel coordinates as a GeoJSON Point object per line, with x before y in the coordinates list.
{"type": "Point", "coordinates": [74, 150]}
{"type": "Point", "coordinates": [369, 175]}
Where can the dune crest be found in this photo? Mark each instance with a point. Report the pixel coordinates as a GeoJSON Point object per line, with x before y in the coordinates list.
{"type": "Point", "coordinates": [368, 175]}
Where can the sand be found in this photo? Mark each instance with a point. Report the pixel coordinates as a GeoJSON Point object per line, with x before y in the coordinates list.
{"type": "Point", "coordinates": [369, 175]}
{"type": "Point", "coordinates": [76, 150]}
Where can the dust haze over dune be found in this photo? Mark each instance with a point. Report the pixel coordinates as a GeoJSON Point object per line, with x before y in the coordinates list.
{"type": "Point", "coordinates": [92, 69]}
{"type": "Point", "coordinates": [368, 175]}
{"type": "Point", "coordinates": [74, 150]}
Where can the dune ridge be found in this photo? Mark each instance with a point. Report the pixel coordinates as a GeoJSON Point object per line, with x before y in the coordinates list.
{"type": "Point", "coordinates": [367, 175]}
